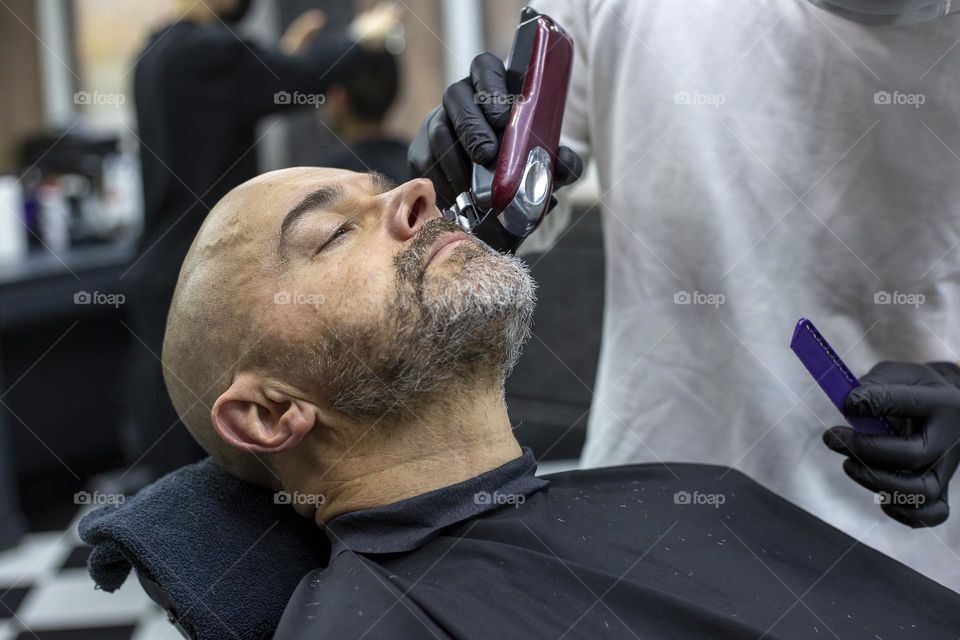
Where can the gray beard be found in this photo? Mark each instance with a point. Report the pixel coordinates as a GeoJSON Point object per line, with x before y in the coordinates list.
{"type": "Point", "coordinates": [464, 321]}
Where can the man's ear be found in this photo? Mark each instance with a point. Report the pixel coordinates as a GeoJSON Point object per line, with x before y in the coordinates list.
{"type": "Point", "coordinates": [257, 415]}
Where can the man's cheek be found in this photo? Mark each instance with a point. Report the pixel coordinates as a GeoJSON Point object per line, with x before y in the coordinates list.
{"type": "Point", "coordinates": [365, 293]}
{"type": "Point", "coordinates": [353, 277]}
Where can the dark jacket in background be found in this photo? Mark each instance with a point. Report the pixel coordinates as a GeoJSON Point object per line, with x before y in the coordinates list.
{"type": "Point", "coordinates": [199, 92]}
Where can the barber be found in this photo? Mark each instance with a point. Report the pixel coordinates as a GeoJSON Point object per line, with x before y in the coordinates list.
{"type": "Point", "coordinates": [200, 90]}
{"type": "Point", "coordinates": [747, 148]}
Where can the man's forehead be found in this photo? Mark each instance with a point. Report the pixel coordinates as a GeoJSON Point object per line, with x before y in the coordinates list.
{"type": "Point", "coordinates": [260, 203]}
{"type": "Point", "coordinates": [285, 187]}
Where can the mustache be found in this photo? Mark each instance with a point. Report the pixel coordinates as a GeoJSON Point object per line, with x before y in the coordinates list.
{"type": "Point", "coordinates": [409, 262]}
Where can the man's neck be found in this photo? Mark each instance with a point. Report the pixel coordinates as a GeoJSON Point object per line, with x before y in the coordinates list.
{"type": "Point", "coordinates": [394, 459]}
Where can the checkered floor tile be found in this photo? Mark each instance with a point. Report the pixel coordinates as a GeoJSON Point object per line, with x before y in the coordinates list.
{"type": "Point", "coordinates": [46, 594]}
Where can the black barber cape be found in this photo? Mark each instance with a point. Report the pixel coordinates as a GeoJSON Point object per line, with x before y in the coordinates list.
{"type": "Point", "coordinates": [643, 551]}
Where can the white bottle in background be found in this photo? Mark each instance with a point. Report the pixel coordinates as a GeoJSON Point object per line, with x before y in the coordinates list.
{"type": "Point", "coordinates": [122, 198]}
{"type": "Point", "coordinates": [13, 231]}
{"type": "Point", "coordinates": [54, 211]}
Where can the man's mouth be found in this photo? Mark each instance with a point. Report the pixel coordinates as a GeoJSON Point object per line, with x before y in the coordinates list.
{"type": "Point", "coordinates": [444, 245]}
{"type": "Point", "coordinates": [436, 237]}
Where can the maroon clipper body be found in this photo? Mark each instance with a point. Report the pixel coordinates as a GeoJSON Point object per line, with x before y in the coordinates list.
{"type": "Point", "coordinates": [504, 206]}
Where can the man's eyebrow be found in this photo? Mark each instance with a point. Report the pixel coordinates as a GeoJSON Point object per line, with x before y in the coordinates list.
{"type": "Point", "coordinates": [317, 199]}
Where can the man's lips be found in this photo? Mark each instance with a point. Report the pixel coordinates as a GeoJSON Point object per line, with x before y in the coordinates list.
{"type": "Point", "coordinates": [442, 243]}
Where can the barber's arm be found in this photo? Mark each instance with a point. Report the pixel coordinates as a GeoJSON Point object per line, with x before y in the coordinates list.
{"type": "Point", "coordinates": [911, 470]}
{"type": "Point", "coordinates": [466, 128]}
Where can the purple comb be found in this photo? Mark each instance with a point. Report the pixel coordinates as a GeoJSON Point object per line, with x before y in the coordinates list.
{"type": "Point", "coordinates": [833, 376]}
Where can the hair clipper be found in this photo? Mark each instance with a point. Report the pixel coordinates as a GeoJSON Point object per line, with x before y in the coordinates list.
{"type": "Point", "coordinates": [505, 204]}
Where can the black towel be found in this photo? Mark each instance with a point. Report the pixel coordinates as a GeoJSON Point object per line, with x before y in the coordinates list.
{"type": "Point", "coordinates": [225, 557]}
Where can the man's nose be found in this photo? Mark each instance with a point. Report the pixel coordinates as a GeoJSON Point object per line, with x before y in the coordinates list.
{"type": "Point", "coordinates": [416, 204]}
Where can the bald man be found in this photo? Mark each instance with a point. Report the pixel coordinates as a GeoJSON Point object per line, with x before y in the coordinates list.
{"type": "Point", "coordinates": [333, 337]}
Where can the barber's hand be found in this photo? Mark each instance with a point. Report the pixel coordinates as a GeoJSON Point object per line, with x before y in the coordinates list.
{"type": "Point", "coordinates": [911, 471]}
{"type": "Point", "coordinates": [301, 31]}
{"type": "Point", "coordinates": [466, 129]}
{"type": "Point", "coordinates": [372, 27]}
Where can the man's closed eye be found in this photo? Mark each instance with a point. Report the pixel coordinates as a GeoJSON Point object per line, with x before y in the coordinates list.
{"type": "Point", "coordinates": [337, 236]}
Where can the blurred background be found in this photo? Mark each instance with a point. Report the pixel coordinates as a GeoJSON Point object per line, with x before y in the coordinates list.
{"type": "Point", "coordinates": [86, 254]}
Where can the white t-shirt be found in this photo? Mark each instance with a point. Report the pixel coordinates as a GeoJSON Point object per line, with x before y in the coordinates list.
{"type": "Point", "coordinates": [765, 160]}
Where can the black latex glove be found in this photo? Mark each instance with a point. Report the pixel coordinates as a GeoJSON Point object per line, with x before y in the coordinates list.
{"type": "Point", "coordinates": [466, 129]}
{"type": "Point", "coordinates": [924, 402]}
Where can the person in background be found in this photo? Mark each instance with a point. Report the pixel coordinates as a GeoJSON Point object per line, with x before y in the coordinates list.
{"type": "Point", "coordinates": [200, 90]}
{"type": "Point", "coordinates": [357, 107]}
{"type": "Point", "coordinates": [759, 161]}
